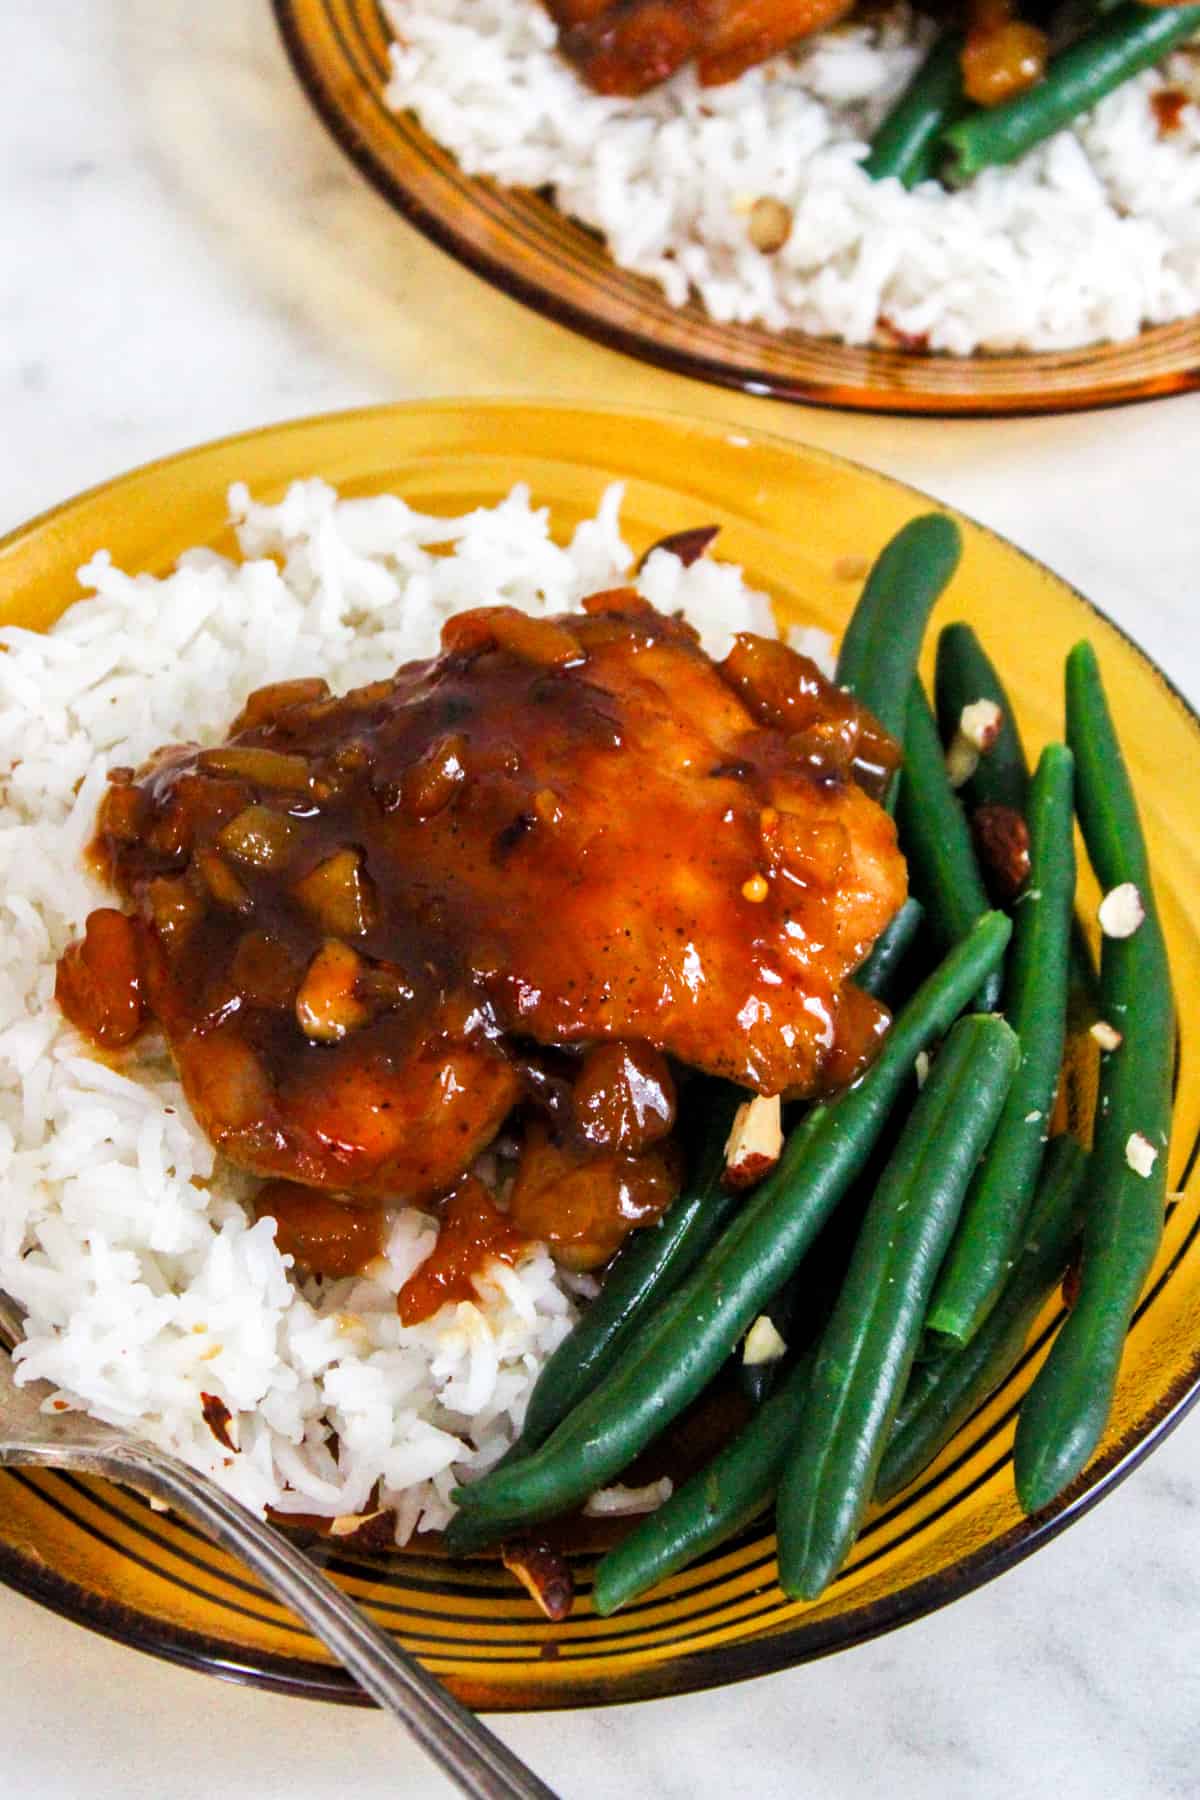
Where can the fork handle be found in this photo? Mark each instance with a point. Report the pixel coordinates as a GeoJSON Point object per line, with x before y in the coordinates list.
{"type": "Point", "coordinates": [461, 1745]}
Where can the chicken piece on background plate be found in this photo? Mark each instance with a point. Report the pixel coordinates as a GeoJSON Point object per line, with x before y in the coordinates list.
{"type": "Point", "coordinates": [631, 46]}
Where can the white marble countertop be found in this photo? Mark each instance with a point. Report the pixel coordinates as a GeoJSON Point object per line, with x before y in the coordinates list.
{"type": "Point", "coordinates": [186, 254]}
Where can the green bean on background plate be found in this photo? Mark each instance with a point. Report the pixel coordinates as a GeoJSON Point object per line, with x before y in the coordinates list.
{"type": "Point", "coordinates": [907, 143]}
{"type": "Point", "coordinates": [867, 1349]}
{"type": "Point", "coordinates": [1066, 1410]}
{"type": "Point", "coordinates": [1035, 1004]}
{"type": "Point", "coordinates": [944, 1390]}
{"type": "Point", "coordinates": [1119, 47]}
{"type": "Point", "coordinates": [702, 1322]}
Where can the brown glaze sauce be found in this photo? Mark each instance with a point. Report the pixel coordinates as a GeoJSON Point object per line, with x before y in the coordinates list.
{"type": "Point", "coordinates": [583, 1201]}
{"type": "Point", "coordinates": [472, 1231]}
{"type": "Point", "coordinates": [326, 1234]}
{"type": "Point", "coordinates": [529, 873]}
{"type": "Point", "coordinates": [1168, 105]}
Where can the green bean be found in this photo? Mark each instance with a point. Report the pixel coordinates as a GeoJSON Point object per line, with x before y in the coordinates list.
{"type": "Point", "coordinates": [709, 1507]}
{"type": "Point", "coordinates": [467, 1533]}
{"type": "Point", "coordinates": [1035, 1004]}
{"type": "Point", "coordinates": [883, 639]}
{"type": "Point", "coordinates": [650, 1266]}
{"type": "Point", "coordinates": [679, 1354]}
{"type": "Point", "coordinates": [906, 143]}
{"type": "Point", "coordinates": [936, 839]}
{"type": "Point", "coordinates": [1118, 48]}
{"type": "Point", "coordinates": [877, 661]}
{"type": "Point", "coordinates": [1067, 1408]}
{"type": "Point", "coordinates": [945, 1390]}
{"type": "Point", "coordinates": [964, 674]}
{"type": "Point", "coordinates": [803, 1304]}
{"type": "Point", "coordinates": [867, 1349]}
{"type": "Point", "coordinates": [880, 974]}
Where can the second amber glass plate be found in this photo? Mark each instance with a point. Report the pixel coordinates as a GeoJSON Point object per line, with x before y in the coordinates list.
{"type": "Point", "coordinates": [523, 244]}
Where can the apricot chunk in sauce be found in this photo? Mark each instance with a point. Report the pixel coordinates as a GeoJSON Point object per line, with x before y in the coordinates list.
{"type": "Point", "coordinates": [326, 1235]}
{"type": "Point", "coordinates": [624, 1097]}
{"type": "Point", "coordinates": [471, 1231]}
{"type": "Point", "coordinates": [98, 984]}
{"type": "Point", "coordinates": [584, 1202]}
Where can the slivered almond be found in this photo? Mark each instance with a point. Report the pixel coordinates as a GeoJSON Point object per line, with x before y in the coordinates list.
{"type": "Point", "coordinates": [543, 1573]}
{"type": "Point", "coordinates": [623, 1502]}
{"type": "Point", "coordinates": [755, 1141]}
{"type": "Point", "coordinates": [1121, 911]}
{"type": "Point", "coordinates": [1106, 1035]}
{"type": "Point", "coordinates": [340, 894]}
{"type": "Point", "coordinates": [962, 760]}
{"type": "Point", "coordinates": [977, 730]}
{"type": "Point", "coordinates": [220, 1420]}
{"type": "Point", "coordinates": [1140, 1153]}
{"type": "Point", "coordinates": [980, 723]}
{"type": "Point", "coordinates": [763, 1343]}
{"type": "Point", "coordinates": [366, 1531]}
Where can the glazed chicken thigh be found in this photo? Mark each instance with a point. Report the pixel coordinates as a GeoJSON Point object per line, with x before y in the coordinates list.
{"type": "Point", "coordinates": [370, 925]}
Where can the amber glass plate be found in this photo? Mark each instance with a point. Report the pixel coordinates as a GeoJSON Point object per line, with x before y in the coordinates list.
{"type": "Point", "coordinates": [791, 517]}
{"type": "Point", "coordinates": [517, 240]}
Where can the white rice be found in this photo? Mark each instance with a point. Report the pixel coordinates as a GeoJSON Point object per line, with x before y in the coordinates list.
{"type": "Point", "coordinates": [147, 1283]}
{"type": "Point", "coordinates": [1089, 237]}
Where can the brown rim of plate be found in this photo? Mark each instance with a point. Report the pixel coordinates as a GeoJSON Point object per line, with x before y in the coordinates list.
{"type": "Point", "coordinates": [519, 242]}
{"type": "Point", "coordinates": [685, 1674]}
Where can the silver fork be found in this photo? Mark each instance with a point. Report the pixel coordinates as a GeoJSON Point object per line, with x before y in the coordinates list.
{"type": "Point", "coordinates": [461, 1745]}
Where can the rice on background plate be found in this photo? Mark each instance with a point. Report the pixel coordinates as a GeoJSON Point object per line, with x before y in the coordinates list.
{"type": "Point", "coordinates": [128, 1239]}
{"type": "Point", "coordinates": [1090, 237]}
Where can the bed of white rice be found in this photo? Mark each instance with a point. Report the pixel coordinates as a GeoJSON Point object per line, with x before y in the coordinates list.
{"type": "Point", "coordinates": [1091, 236]}
{"type": "Point", "coordinates": [146, 1280]}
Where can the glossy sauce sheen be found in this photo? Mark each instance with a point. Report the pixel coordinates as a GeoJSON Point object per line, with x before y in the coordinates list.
{"type": "Point", "coordinates": [324, 1234]}
{"type": "Point", "coordinates": [359, 921]}
{"type": "Point", "coordinates": [472, 1232]}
